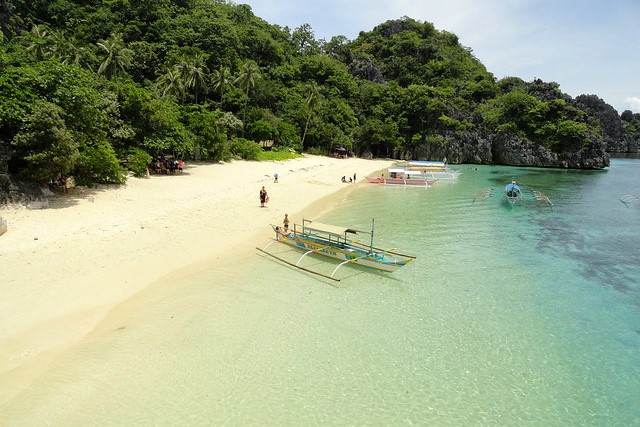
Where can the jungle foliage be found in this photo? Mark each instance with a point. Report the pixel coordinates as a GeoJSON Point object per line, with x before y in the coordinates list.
{"type": "Point", "coordinates": [91, 87]}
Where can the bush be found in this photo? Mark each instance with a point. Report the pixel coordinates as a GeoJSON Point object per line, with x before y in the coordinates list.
{"type": "Point", "coordinates": [99, 164]}
{"type": "Point", "coordinates": [261, 130]}
{"type": "Point", "coordinates": [138, 161]}
{"type": "Point", "coordinates": [317, 151]}
{"type": "Point", "coordinates": [245, 149]}
{"type": "Point", "coordinates": [45, 144]}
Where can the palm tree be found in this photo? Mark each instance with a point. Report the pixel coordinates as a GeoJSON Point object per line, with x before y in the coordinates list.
{"type": "Point", "coordinates": [247, 80]}
{"type": "Point", "coordinates": [194, 74]}
{"type": "Point", "coordinates": [170, 83]}
{"type": "Point", "coordinates": [39, 47]}
{"type": "Point", "coordinates": [313, 99]}
{"type": "Point", "coordinates": [66, 49]}
{"type": "Point", "coordinates": [118, 56]}
{"type": "Point", "coordinates": [221, 79]}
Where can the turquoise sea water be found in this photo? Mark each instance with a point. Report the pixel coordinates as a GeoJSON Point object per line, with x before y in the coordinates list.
{"type": "Point", "coordinates": [523, 315]}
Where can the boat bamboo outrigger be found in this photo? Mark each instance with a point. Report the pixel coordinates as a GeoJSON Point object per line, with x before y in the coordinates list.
{"type": "Point", "coordinates": [630, 199]}
{"type": "Point", "coordinates": [332, 241]}
{"type": "Point", "coordinates": [539, 195]}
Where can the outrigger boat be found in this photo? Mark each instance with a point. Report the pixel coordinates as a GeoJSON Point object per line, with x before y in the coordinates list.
{"type": "Point", "coordinates": [400, 176]}
{"type": "Point", "coordinates": [432, 170]}
{"type": "Point", "coordinates": [515, 194]}
{"type": "Point", "coordinates": [332, 241]}
{"type": "Point", "coordinates": [512, 192]}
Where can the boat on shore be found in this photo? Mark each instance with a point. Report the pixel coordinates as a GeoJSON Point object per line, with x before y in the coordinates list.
{"type": "Point", "coordinates": [401, 176]}
{"type": "Point", "coordinates": [333, 241]}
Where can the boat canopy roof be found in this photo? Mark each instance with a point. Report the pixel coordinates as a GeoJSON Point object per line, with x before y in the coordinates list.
{"type": "Point", "coordinates": [404, 171]}
{"type": "Point", "coordinates": [425, 163]}
{"type": "Point", "coordinates": [328, 228]}
{"type": "Point", "coordinates": [511, 186]}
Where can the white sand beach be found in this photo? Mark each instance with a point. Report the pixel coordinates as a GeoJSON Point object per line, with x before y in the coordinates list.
{"type": "Point", "coordinates": [65, 267]}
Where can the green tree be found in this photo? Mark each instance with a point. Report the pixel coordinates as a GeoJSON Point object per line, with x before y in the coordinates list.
{"type": "Point", "coordinates": [40, 42]}
{"type": "Point", "coordinates": [170, 83]}
{"type": "Point", "coordinates": [195, 75]}
{"type": "Point", "coordinates": [247, 81]}
{"type": "Point", "coordinates": [304, 40]}
{"type": "Point", "coordinates": [117, 55]}
{"type": "Point", "coordinates": [67, 49]}
{"type": "Point", "coordinates": [230, 124]}
{"type": "Point", "coordinates": [45, 144]}
{"type": "Point", "coordinates": [312, 101]}
{"type": "Point", "coordinates": [210, 142]}
{"type": "Point", "coordinates": [221, 79]}
{"type": "Point", "coordinates": [381, 138]}
{"type": "Point", "coordinates": [99, 164]}
{"type": "Point", "coordinates": [192, 73]}
{"type": "Point", "coordinates": [262, 130]}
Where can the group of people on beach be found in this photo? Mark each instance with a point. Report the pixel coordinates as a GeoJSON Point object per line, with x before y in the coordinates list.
{"type": "Point", "coordinates": [344, 178]}
{"type": "Point", "coordinates": [60, 182]}
{"type": "Point", "coordinates": [165, 165]}
{"type": "Point", "coordinates": [284, 230]}
{"type": "Point", "coordinates": [264, 197]}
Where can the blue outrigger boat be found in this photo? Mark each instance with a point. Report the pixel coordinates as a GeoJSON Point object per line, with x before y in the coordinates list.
{"type": "Point", "coordinates": [332, 241]}
{"type": "Point", "coordinates": [513, 193]}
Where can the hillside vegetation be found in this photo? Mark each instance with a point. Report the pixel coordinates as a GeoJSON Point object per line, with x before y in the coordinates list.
{"type": "Point", "coordinates": [91, 88]}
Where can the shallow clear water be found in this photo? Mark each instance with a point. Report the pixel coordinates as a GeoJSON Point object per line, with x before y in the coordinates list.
{"type": "Point", "coordinates": [510, 315]}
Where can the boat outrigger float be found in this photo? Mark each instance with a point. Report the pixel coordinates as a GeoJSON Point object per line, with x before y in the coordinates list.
{"type": "Point", "coordinates": [332, 241]}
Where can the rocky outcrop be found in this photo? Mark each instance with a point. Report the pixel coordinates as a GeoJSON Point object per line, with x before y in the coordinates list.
{"type": "Point", "coordinates": [20, 192]}
{"type": "Point", "coordinates": [514, 151]}
{"type": "Point", "coordinates": [14, 191]}
{"type": "Point", "coordinates": [510, 150]}
{"type": "Point", "coordinates": [614, 133]}
{"type": "Point", "coordinates": [470, 147]}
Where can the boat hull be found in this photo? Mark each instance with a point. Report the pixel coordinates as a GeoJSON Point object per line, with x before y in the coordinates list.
{"type": "Point", "coordinates": [433, 170]}
{"type": "Point", "coordinates": [399, 181]}
{"type": "Point", "coordinates": [354, 255]}
{"type": "Point", "coordinates": [512, 200]}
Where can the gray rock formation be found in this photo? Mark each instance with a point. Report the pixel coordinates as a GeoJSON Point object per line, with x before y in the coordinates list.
{"type": "Point", "coordinates": [510, 150]}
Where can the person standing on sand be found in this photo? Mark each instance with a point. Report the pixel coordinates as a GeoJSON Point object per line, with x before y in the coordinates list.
{"type": "Point", "coordinates": [354, 177]}
{"type": "Point", "coordinates": [264, 198]}
{"type": "Point", "coordinates": [285, 222]}
{"type": "Point", "coordinates": [275, 176]}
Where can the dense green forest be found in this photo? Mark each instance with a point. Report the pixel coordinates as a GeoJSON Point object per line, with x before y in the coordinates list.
{"type": "Point", "coordinates": [92, 88]}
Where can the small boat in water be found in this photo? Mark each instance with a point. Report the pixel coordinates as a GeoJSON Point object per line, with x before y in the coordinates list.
{"type": "Point", "coordinates": [433, 170]}
{"type": "Point", "coordinates": [513, 193]}
{"type": "Point", "coordinates": [332, 241]}
{"type": "Point", "coordinates": [401, 176]}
